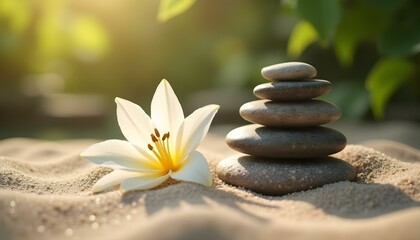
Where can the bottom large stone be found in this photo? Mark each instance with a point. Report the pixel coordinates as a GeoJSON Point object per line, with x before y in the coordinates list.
{"type": "Point", "coordinates": [275, 177]}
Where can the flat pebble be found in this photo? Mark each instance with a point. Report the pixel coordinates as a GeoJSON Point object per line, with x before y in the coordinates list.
{"type": "Point", "coordinates": [290, 114]}
{"type": "Point", "coordinates": [257, 140]}
{"type": "Point", "coordinates": [292, 91]}
{"type": "Point", "coordinates": [272, 177]}
{"type": "Point", "coordinates": [288, 71]}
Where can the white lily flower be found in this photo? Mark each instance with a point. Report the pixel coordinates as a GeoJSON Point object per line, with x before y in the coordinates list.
{"type": "Point", "coordinates": [158, 148]}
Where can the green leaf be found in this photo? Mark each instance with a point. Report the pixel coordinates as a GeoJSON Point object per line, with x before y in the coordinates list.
{"type": "Point", "coordinates": [303, 35]}
{"type": "Point", "coordinates": [384, 79]}
{"type": "Point", "coordinates": [324, 15]}
{"type": "Point", "coordinates": [360, 23]}
{"type": "Point", "coordinates": [171, 8]}
{"type": "Point", "coordinates": [390, 7]}
{"type": "Point", "coordinates": [351, 97]}
{"type": "Point", "coordinates": [400, 40]}
{"type": "Point", "coordinates": [345, 46]}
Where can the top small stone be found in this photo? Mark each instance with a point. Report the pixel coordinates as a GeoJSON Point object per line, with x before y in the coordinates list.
{"type": "Point", "coordinates": [288, 71]}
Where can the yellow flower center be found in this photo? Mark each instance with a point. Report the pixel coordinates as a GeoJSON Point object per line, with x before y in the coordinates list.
{"type": "Point", "coordinates": [162, 151]}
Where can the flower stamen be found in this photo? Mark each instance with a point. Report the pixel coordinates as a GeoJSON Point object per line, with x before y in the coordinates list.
{"type": "Point", "coordinates": [163, 153]}
{"type": "Point", "coordinates": [168, 148]}
{"type": "Point", "coordinates": [154, 139]}
{"type": "Point", "coordinates": [157, 133]}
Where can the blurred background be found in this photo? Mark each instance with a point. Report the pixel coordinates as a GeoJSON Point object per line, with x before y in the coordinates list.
{"type": "Point", "coordinates": [62, 62]}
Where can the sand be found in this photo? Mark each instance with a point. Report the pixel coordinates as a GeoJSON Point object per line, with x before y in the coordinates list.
{"type": "Point", "coordinates": [45, 194]}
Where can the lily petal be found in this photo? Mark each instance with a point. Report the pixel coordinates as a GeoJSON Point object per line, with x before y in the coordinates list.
{"type": "Point", "coordinates": [195, 169]}
{"type": "Point", "coordinates": [143, 182]}
{"type": "Point", "coordinates": [194, 128]}
{"type": "Point", "coordinates": [166, 111]}
{"type": "Point", "coordinates": [112, 179]}
{"type": "Point", "coordinates": [119, 154]}
{"type": "Point", "coordinates": [135, 124]}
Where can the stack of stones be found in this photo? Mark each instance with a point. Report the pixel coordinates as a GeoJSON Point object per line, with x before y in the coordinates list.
{"type": "Point", "coordinates": [287, 149]}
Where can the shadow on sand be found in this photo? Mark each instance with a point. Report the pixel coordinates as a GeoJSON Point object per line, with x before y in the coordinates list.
{"type": "Point", "coordinates": [194, 194]}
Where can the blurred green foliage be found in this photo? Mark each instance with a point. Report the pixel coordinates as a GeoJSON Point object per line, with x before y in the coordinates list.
{"type": "Point", "coordinates": [120, 48]}
{"type": "Point", "coordinates": [392, 26]}
{"type": "Point", "coordinates": [385, 78]}
{"type": "Point", "coordinates": [34, 34]}
{"type": "Point", "coordinates": [171, 8]}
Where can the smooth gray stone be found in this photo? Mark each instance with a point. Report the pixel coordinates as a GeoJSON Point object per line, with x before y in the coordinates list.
{"type": "Point", "coordinates": [275, 177]}
{"type": "Point", "coordinates": [290, 114]}
{"type": "Point", "coordinates": [288, 71]}
{"type": "Point", "coordinates": [257, 140]}
{"type": "Point", "coordinates": [292, 91]}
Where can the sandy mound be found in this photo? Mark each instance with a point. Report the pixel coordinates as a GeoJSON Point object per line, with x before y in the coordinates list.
{"type": "Point", "coordinates": [45, 194]}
